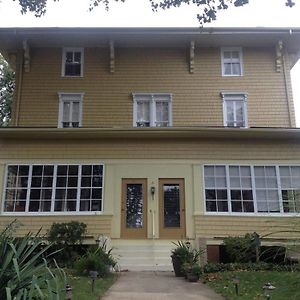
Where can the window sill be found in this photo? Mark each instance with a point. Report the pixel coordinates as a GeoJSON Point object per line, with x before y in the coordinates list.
{"type": "Point", "coordinates": [286, 215]}
{"type": "Point", "coordinates": [47, 214]}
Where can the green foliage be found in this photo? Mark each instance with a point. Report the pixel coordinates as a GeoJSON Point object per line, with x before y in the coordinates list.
{"type": "Point", "coordinates": [24, 271]}
{"type": "Point", "coordinates": [100, 260]}
{"type": "Point", "coordinates": [7, 87]}
{"type": "Point", "coordinates": [262, 266]}
{"type": "Point", "coordinates": [196, 270]}
{"type": "Point", "coordinates": [70, 233]}
{"type": "Point", "coordinates": [208, 12]}
{"type": "Point", "coordinates": [240, 249]}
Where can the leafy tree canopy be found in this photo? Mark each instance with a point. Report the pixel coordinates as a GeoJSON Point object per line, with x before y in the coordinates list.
{"type": "Point", "coordinates": [7, 86]}
{"type": "Point", "coordinates": [208, 12]}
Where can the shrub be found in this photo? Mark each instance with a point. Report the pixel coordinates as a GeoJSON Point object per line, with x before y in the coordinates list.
{"type": "Point", "coordinates": [100, 260]}
{"type": "Point", "coordinates": [24, 271]}
{"type": "Point", "coordinates": [68, 238]}
{"type": "Point", "coordinates": [240, 249]}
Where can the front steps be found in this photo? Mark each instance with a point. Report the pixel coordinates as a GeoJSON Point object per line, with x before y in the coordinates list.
{"type": "Point", "coordinates": [143, 255]}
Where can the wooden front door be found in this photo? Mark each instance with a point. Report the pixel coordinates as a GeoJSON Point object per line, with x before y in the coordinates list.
{"type": "Point", "coordinates": [171, 209]}
{"type": "Point", "coordinates": [134, 209]}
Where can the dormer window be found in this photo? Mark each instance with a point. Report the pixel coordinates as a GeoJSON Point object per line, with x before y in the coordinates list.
{"type": "Point", "coordinates": [70, 110]}
{"type": "Point", "coordinates": [235, 109]}
{"type": "Point", "coordinates": [72, 62]}
{"type": "Point", "coordinates": [232, 61]}
{"type": "Point", "coordinates": [152, 110]}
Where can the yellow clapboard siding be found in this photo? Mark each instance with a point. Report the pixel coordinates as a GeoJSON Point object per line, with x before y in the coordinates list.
{"type": "Point", "coordinates": [196, 97]}
{"type": "Point", "coordinates": [222, 226]}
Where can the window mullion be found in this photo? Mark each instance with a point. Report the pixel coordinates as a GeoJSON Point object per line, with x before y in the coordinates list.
{"type": "Point", "coordinates": [228, 189]}
{"type": "Point", "coordinates": [253, 188]}
{"type": "Point", "coordinates": [28, 188]}
{"type": "Point", "coordinates": [53, 188]}
{"type": "Point", "coordinates": [279, 189]}
{"type": "Point", "coordinates": [78, 188]}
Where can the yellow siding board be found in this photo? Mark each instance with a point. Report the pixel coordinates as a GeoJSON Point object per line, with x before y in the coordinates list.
{"type": "Point", "coordinates": [196, 97]}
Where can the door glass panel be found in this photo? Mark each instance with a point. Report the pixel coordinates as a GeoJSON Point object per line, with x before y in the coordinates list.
{"type": "Point", "coordinates": [171, 205]}
{"type": "Point", "coordinates": [134, 205]}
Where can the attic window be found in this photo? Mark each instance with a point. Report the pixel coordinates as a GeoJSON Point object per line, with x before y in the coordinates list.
{"type": "Point", "coordinates": [72, 62]}
{"type": "Point", "coordinates": [232, 61]}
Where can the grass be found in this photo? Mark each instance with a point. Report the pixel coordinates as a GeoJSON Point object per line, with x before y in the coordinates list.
{"type": "Point", "coordinates": [82, 286]}
{"type": "Point", "coordinates": [251, 283]}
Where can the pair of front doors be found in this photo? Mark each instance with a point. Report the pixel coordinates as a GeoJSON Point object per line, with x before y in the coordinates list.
{"type": "Point", "coordinates": [134, 209]}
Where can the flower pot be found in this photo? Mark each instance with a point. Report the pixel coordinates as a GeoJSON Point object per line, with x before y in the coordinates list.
{"type": "Point", "coordinates": [177, 266]}
{"type": "Point", "coordinates": [192, 277]}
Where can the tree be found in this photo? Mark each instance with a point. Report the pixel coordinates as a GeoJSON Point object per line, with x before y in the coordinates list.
{"type": "Point", "coordinates": [208, 13]}
{"type": "Point", "coordinates": [7, 87]}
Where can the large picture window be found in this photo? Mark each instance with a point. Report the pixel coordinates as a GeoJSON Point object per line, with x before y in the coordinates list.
{"type": "Point", "coordinates": [252, 189]}
{"type": "Point", "coordinates": [53, 188]}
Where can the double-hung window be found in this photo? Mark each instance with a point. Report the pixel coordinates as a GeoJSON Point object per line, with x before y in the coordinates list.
{"type": "Point", "coordinates": [258, 189]}
{"type": "Point", "coordinates": [53, 188]}
{"type": "Point", "coordinates": [235, 109]}
{"type": "Point", "coordinates": [72, 62]}
{"type": "Point", "coordinates": [232, 61]}
{"type": "Point", "coordinates": [152, 110]}
{"type": "Point", "coordinates": [70, 110]}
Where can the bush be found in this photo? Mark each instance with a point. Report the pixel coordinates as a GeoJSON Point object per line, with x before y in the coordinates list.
{"type": "Point", "coordinates": [24, 271]}
{"type": "Point", "coordinates": [240, 249]}
{"type": "Point", "coordinates": [66, 238]}
{"type": "Point", "coordinates": [99, 260]}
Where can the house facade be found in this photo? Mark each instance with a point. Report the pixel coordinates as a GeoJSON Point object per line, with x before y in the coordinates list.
{"type": "Point", "coordinates": [152, 135]}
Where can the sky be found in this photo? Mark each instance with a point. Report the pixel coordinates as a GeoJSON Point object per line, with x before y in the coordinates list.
{"type": "Point", "coordinates": [138, 13]}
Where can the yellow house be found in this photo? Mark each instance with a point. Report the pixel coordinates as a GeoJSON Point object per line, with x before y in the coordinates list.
{"type": "Point", "coordinates": [152, 135]}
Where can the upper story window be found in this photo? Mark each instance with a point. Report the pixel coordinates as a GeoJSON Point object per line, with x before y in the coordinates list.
{"type": "Point", "coordinates": [232, 61]}
{"type": "Point", "coordinates": [252, 189]}
{"type": "Point", "coordinates": [72, 62]}
{"type": "Point", "coordinates": [53, 188]}
{"type": "Point", "coordinates": [152, 110]}
{"type": "Point", "coordinates": [235, 109]}
{"type": "Point", "coordinates": [70, 110]}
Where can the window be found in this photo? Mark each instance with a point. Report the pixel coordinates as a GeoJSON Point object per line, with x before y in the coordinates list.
{"type": "Point", "coordinates": [252, 189]}
{"type": "Point", "coordinates": [72, 62]}
{"type": "Point", "coordinates": [70, 110]}
{"type": "Point", "coordinates": [152, 110]}
{"type": "Point", "coordinates": [235, 109]}
{"type": "Point", "coordinates": [53, 188]}
{"type": "Point", "coordinates": [232, 61]}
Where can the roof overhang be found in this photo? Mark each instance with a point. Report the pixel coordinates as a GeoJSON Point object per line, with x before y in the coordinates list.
{"type": "Point", "coordinates": [182, 133]}
{"type": "Point", "coordinates": [12, 38]}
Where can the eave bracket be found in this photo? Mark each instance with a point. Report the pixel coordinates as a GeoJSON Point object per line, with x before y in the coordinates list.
{"type": "Point", "coordinates": [192, 56]}
{"type": "Point", "coordinates": [111, 56]}
{"type": "Point", "coordinates": [279, 54]}
{"type": "Point", "coordinates": [26, 56]}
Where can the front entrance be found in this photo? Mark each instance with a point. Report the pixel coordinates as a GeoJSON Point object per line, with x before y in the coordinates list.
{"type": "Point", "coordinates": [172, 209]}
{"type": "Point", "coordinates": [134, 209]}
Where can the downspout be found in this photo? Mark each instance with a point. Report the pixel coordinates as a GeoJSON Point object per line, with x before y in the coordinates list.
{"type": "Point", "coordinates": [287, 94]}
{"type": "Point", "coordinates": [20, 79]}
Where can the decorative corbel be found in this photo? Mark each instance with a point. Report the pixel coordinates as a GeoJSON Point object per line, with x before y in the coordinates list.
{"type": "Point", "coordinates": [192, 56]}
{"type": "Point", "coordinates": [111, 56]}
{"type": "Point", "coordinates": [279, 54]}
{"type": "Point", "coordinates": [26, 56]}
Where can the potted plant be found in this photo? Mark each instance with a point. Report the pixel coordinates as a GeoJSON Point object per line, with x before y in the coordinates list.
{"type": "Point", "coordinates": [180, 255]}
{"type": "Point", "coordinates": [194, 273]}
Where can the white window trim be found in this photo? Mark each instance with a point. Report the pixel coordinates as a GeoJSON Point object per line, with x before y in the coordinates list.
{"type": "Point", "coordinates": [255, 213]}
{"type": "Point", "coordinates": [68, 49]}
{"type": "Point", "coordinates": [239, 49]}
{"type": "Point", "coordinates": [61, 96]}
{"type": "Point", "coordinates": [235, 96]}
{"type": "Point", "coordinates": [152, 107]}
{"type": "Point", "coordinates": [52, 213]}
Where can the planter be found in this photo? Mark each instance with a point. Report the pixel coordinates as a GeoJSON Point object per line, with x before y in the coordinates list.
{"type": "Point", "coordinates": [192, 277]}
{"type": "Point", "coordinates": [177, 266]}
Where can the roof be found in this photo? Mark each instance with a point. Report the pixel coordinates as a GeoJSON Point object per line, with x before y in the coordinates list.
{"type": "Point", "coordinates": [12, 38]}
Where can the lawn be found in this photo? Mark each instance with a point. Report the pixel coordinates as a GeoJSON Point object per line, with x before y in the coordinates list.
{"type": "Point", "coordinates": [82, 286]}
{"type": "Point", "coordinates": [250, 288]}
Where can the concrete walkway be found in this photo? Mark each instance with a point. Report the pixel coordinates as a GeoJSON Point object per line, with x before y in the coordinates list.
{"type": "Point", "coordinates": [157, 285]}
